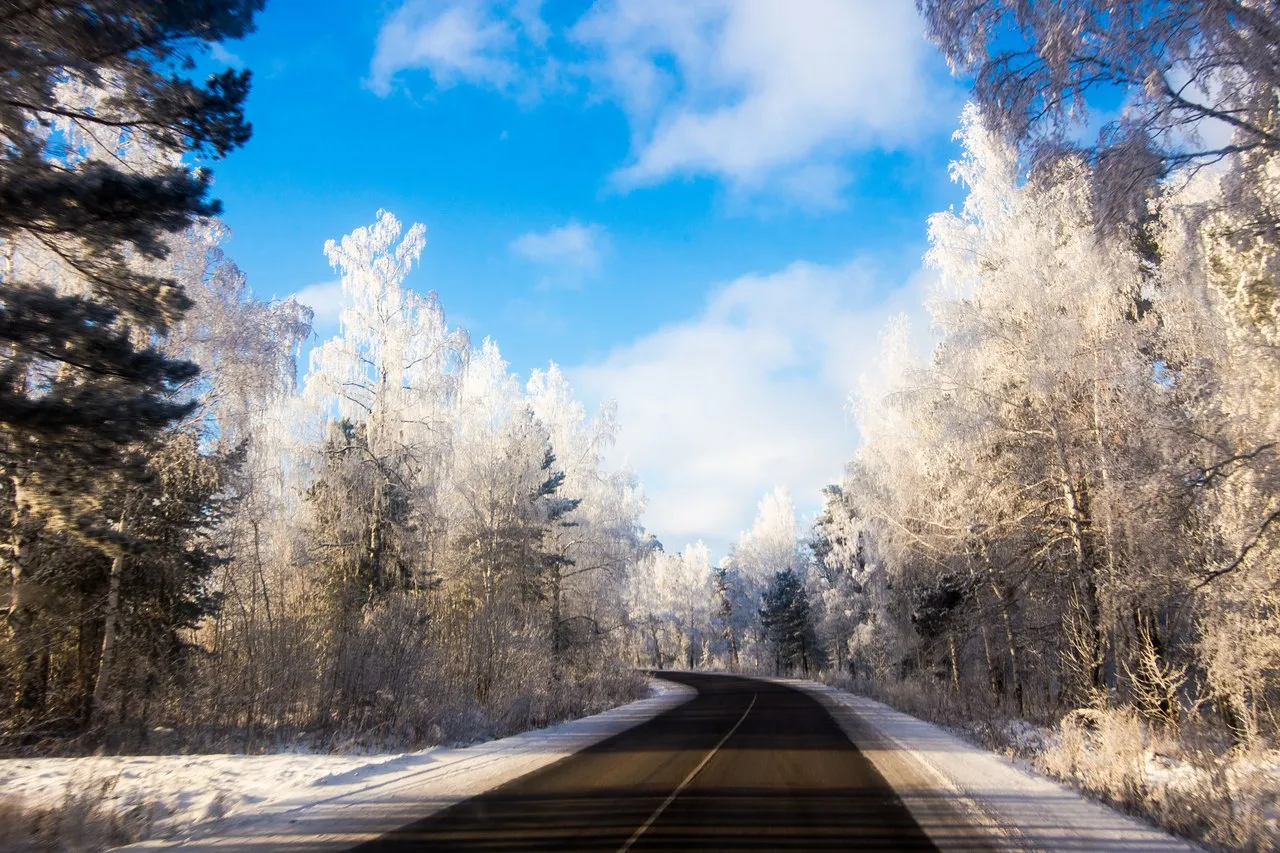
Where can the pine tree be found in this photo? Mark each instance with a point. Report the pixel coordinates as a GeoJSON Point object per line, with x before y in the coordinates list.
{"type": "Point", "coordinates": [786, 624]}
{"type": "Point", "coordinates": [551, 561]}
{"type": "Point", "coordinates": [79, 378]}
{"type": "Point", "coordinates": [360, 525]}
{"type": "Point", "coordinates": [724, 611]}
{"type": "Point", "coordinates": [72, 374]}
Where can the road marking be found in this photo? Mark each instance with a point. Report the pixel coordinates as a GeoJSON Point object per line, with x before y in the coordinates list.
{"type": "Point", "coordinates": [694, 772]}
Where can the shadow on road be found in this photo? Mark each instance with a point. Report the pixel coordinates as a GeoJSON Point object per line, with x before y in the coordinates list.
{"type": "Point", "coordinates": [786, 779]}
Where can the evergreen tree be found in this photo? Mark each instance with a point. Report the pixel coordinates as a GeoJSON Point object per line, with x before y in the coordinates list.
{"type": "Point", "coordinates": [785, 621]}
{"type": "Point", "coordinates": [361, 524]}
{"type": "Point", "coordinates": [162, 589]}
{"type": "Point", "coordinates": [76, 373]}
{"type": "Point", "coordinates": [724, 611]}
{"type": "Point", "coordinates": [551, 561]}
{"type": "Point", "coordinates": [80, 378]}
{"type": "Point", "coordinates": [112, 629]}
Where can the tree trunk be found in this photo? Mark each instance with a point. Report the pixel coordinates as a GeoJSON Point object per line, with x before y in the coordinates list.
{"type": "Point", "coordinates": [88, 649]}
{"type": "Point", "coordinates": [558, 642]}
{"type": "Point", "coordinates": [110, 622]}
{"type": "Point", "coordinates": [1078, 525]}
{"type": "Point", "coordinates": [993, 672]}
{"type": "Point", "coordinates": [1015, 670]}
{"type": "Point", "coordinates": [261, 575]}
{"type": "Point", "coordinates": [31, 679]}
{"type": "Point", "coordinates": [955, 667]}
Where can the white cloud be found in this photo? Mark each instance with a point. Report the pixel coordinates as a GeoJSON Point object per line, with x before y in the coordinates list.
{"type": "Point", "coordinates": [572, 248]}
{"type": "Point", "coordinates": [528, 14]}
{"type": "Point", "coordinates": [762, 94]}
{"type": "Point", "coordinates": [220, 54]}
{"type": "Point", "coordinates": [326, 299]}
{"type": "Point", "coordinates": [473, 41]}
{"type": "Point", "coordinates": [749, 394]}
{"type": "Point", "coordinates": [767, 96]}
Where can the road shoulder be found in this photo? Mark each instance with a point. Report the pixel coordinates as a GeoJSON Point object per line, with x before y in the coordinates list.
{"type": "Point", "coordinates": [409, 788]}
{"type": "Point", "coordinates": [969, 799]}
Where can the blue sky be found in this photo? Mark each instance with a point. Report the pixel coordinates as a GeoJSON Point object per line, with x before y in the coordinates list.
{"type": "Point", "coordinates": [705, 211]}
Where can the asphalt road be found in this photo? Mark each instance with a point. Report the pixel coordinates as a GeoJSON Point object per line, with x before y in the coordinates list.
{"type": "Point", "coordinates": [745, 766]}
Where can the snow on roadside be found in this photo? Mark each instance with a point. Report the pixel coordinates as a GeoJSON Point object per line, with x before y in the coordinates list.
{"type": "Point", "coordinates": [181, 790]}
{"type": "Point", "coordinates": [201, 796]}
{"type": "Point", "coordinates": [1014, 808]}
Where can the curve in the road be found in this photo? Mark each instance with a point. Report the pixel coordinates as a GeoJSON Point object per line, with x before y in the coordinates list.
{"type": "Point", "coordinates": [747, 765]}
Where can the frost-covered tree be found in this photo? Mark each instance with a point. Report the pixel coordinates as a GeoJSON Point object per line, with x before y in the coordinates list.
{"type": "Point", "coordinates": [392, 371]}
{"type": "Point", "coordinates": [787, 625]}
{"type": "Point", "coordinates": [837, 577]}
{"type": "Point", "coordinates": [1074, 497]}
{"type": "Point", "coordinates": [603, 540]}
{"type": "Point", "coordinates": [246, 347]}
{"type": "Point", "coordinates": [1198, 81]}
{"type": "Point", "coordinates": [415, 543]}
{"type": "Point", "coordinates": [668, 607]}
{"type": "Point", "coordinates": [1220, 309]}
{"type": "Point", "coordinates": [769, 546]}
{"type": "Point", "coordinates": [504, 494]}
{"type": "Point", "coordinates": [727, 602]}
{"type": "Point", "coordinates": [1042, 363]}
{"type": "Point", "coordinates": [1072, 501]}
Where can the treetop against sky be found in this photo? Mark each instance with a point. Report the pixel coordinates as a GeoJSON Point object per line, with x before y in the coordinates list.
{"type": "Point", "coordinates": [705, 212]}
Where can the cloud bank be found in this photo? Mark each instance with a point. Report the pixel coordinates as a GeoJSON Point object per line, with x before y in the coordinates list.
{"type": "Point", "coordinates": [749, 394]}
{"type": "Point", "coordinates": [761, 94]}
{"type": "Point", "coordinates": [766, 97]}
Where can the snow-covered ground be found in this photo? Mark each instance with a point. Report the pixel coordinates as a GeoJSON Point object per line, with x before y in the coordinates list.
{"type": "Point", "coordinates": [962, 795]}
{"type": "Point", "coordinates": [232, 802]}
{"type": "Point", "coordinates": [183, 790]}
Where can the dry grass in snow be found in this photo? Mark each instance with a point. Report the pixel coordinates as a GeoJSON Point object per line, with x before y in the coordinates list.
{"type": "Point", "coordinates": [92, 803]}
{"type": "Point", "coordinates": [1228, 799]}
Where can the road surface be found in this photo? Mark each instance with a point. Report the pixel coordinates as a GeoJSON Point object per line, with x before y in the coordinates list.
{"type": "Point", "coordinates": [747, 765]}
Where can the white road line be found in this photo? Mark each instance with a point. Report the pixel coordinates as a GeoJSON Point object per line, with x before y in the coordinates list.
{"type": "Point", "coordinates": [694, 772]}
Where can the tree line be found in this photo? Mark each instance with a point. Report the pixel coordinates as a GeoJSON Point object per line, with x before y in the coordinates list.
{"type": "Point", "coordinates": [756, 610]}
{"type": "Point", "coordinates": [1072, 503]}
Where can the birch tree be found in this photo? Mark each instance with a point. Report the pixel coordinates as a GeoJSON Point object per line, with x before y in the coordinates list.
{"type": "Point", "coordinates": [1199, 81]}
{"type": "Point", "coordinates": [392, 372]}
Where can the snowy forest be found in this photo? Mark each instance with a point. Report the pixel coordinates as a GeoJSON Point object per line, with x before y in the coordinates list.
{"type": "Point", "coordinates": [1071, 501]}
{"type": "Point", "coordinates": [406, 545]}
{"type": "Point", "coordinates": [1067, 512]}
